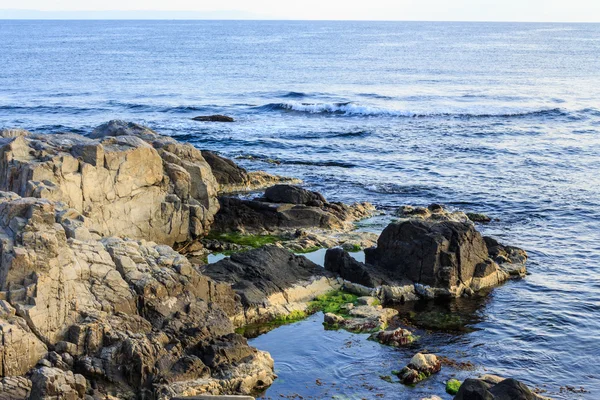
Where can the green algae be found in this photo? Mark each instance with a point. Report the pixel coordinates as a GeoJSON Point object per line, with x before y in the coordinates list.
{"type": "Point", "coordinates": [452, 386]}
{"type": "Point", "coordinates": [333, 302]}
{"type": "Point", "coordinates": [254, 241]}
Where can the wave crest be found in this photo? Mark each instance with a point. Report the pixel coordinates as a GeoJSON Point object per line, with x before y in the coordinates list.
{"type": "Point", "coordinates": [354, 109]}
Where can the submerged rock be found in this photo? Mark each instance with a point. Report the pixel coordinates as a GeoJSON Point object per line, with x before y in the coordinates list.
{"type": "Point", "coordinates": [419, 368]}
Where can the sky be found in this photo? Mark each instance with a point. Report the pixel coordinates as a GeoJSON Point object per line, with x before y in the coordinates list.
{"type": "Point", "coordinates": [417, 10]}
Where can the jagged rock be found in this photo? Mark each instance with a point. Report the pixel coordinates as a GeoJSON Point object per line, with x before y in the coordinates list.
{"type": "Point", "coordinates": [271, 282]}
{"type": "Point", "coordinates": [20, 348]}
{"type": "Point", "coordinates": [54, 384]}
{"type": "Point", "coordinates": [121, 312]}
{"type": "Point", "coordinates": [264, 215]}
{"type": "Point", "coordinates": [420, 367]}
{"type": "Point", "coordinates": [15, 388]}
{"type": "Point", "coordinates": [233, 178]}
{"type": "Point", "coordinates": [124, 179]}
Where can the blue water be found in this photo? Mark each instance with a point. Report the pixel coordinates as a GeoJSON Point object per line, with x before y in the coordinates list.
{"type": "Point", "coordinates": [496, 118]}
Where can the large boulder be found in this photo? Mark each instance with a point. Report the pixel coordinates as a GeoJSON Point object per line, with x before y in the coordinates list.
{"type": "Point", "coordinates": [429, 258]}
{"type": "Point", "coordinates": [271, 282]}
{"type": "Point", "coordinates": [125, 179]}
{"type": "Point", "coordinates": [443, 254]}
{"type": "Point", "coordinates": [294, 195]}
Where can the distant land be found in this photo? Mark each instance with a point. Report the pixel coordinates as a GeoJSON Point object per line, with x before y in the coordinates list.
{"type": "Point", "coordinates": [126, 15]}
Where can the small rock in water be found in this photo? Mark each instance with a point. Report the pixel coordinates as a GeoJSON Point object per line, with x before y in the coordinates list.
{"type": "Point", "coordinates": [420, 367]}
{"type": "Point", "coordinates": [478, 217]}
{"type": "Point", "coordinates": [213, 118]}
{"type": "Point", "coordinates": [397, 338]}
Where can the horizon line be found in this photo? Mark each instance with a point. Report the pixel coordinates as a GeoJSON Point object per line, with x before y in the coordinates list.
{"type": "Point", "coordinates": [217, 15]}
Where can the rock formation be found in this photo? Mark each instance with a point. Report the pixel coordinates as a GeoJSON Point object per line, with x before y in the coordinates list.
{"type": "Point", "coordinates": [285, 208]}
{"type": "Point", "coordinates": [116, 316]}
{"type": "Point", "coordinates": [124, 180]}
{"type": "Point", "coordinates": [429, 258]}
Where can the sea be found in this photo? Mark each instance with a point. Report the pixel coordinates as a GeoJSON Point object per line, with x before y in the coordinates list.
{"type": "Point", "coordinates": [497, 118]}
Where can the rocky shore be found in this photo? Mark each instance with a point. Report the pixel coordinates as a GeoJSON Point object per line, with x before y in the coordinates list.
{"type": "Point", "coordinates": [105, 293]}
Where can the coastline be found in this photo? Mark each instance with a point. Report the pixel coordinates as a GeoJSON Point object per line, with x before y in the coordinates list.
{"type": "Point", "coordinates": [91, 242]}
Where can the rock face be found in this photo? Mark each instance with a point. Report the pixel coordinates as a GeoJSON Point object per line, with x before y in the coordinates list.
{"type": "Point", "coordinates": [124, 179]}
{"type": "Point", "coordinates": [271, 282]}
{"type": "Point", "coordinates": [285, 208]}
{"type": "Point", "coordinates": [132, 316]}
{"type": "Point", "coordinates": [233, 178]}
{"type": "Point", "coordinates": [429, 259]}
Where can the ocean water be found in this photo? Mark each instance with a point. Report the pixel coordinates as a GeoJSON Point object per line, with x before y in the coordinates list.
{"type": "Point", "coordinates": [496, 118]}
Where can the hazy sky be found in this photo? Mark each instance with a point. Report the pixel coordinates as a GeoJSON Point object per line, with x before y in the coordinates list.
{"type": "Point", "coordinates": [446, 10]}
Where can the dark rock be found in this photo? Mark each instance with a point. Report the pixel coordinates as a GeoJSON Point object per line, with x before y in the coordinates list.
{"type": "Point", "coordinates": [511, 389]}
{"type": "Point", "coordinates": [262, 216]}
{"type": "Point", "coordinates": [473, 389]}
{"type": "Point", "coordinates": [506, 389]}
{"type": "Point", "coordinates": [343, 264]}
{"type": "Point", "coordinates": [259, 273]}
{"type": "Point", "coordinates": [213, 118]}
{"type": "Point", "coordinates": [438, 254]}
{"type": "Point", "coordinates": [293, 195]}
{"type": "Point", "coordinates": [225, 171]}
{"type": "Point", "coordinates": [228, 349]}
{"type": "Point", "coordinates": [478, 217]}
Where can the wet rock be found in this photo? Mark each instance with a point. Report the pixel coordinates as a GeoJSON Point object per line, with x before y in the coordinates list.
{"type": "Point", "coordinates": [343, 264]}
{"type": "Point", "coordinates": [483, 388]}
{"type": "Point", "coordinates": [420, 367]}
{"type": "Point", "coordinates": [398, 337]}
{"type": "Point", "coordinates": [271, 282]}
{"type": "Point", "coordinates": [444, 258]}
{"type": "Point", "coordinates": [213, 118]}
{"type": "Point", "coordinates": [361, 318]}
{"type": "Point", "coordinates": [478, 217]}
